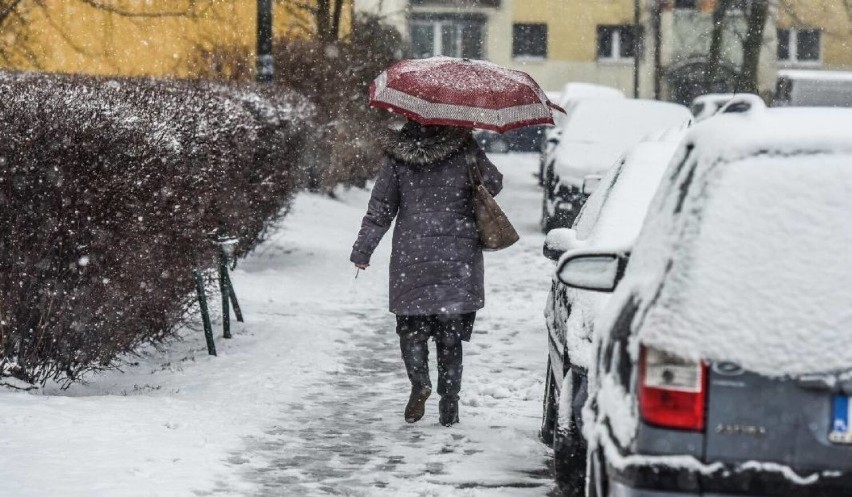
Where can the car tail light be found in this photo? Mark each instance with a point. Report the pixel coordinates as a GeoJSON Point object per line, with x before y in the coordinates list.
{"type": "Point", "coordinates": [672, 391]}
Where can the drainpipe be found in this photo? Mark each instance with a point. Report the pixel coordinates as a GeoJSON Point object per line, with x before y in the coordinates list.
{"type": "Point", "coordinates": [637, 44]}
{"type": "Point", "coordinates": [657, 20]}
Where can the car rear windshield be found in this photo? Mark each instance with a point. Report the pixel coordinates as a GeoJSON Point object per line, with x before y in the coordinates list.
{"type": "Point", "coordinates": [760, 270]}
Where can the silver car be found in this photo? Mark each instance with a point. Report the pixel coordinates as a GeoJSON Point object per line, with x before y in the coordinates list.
{"type": "Point", "coordinates": [722, 365]}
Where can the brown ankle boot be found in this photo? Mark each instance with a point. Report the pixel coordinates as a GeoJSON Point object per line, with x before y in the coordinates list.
{"type": "Point", "coordinates": [416, 407]}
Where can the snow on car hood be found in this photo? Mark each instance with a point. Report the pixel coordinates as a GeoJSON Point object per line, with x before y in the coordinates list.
{"type": "Point", "coordinates": [744, 256]}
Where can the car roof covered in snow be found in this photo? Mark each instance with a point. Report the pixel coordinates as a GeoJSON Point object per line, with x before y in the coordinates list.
{"type": "Point", "coordinates": [744, 254]}
{"type": "Point", "coordinates": [574, 91]}
{"type": "Point", "coordinates": [705, 106]}
{"type": "Point", "coordinates": [622, 122]}
{"type": "Point", "coordinates": [783, 130]}
{"type": "Point", "coordinates": [714, 97]}
{"type": "Point", "coordinates": [815, 74]}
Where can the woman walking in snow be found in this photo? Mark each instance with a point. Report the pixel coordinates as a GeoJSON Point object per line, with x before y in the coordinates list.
{"type": "Point", "coordinates": [436, 269]}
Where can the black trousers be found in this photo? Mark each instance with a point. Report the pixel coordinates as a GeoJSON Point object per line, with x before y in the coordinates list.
{"type": "Point", "coordinates": [448, 332]}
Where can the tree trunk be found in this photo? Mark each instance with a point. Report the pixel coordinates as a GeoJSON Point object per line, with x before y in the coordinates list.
{"type": "Point", "coordinates": [7, 8]}
{"type": "Point", "coordinates": [335, 19]}
{"type": "Point", "coordinates": [753, 45]}
{"type": "Point", "coordinates": [323, 14]}
{"type": "Point", "coordinates": [714, 57]}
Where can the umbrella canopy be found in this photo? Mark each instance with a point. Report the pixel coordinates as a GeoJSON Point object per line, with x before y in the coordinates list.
{"type": "Point", "coordinates": [462, 92]}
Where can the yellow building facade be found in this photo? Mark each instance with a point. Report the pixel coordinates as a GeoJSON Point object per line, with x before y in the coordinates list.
{"type": "Point", "coordinates": [135, 38]}
{"type": "Point", "coordinates": [572, 41]}
{"type": "Point", "coordinates": [562, 34]}
{"type": "Point", "coordinates": [832, 19]}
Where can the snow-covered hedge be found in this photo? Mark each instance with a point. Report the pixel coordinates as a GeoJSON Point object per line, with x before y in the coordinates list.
{"type": "Point", "coordinates": [109, 192]}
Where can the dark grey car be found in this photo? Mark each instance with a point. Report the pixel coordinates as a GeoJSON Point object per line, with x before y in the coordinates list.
{"type": "Point", "coordinates": [722, 366]}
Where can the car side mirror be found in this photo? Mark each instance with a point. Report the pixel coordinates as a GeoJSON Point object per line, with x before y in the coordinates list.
{"type": "Point", "coordinates": [596, 271]}
{"type": "Point", "coordinates": [591, 183]}
{"type": "Point", "coordinates": [559, 241]}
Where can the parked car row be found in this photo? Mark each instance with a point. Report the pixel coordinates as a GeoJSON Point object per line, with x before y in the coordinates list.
{"type": "Point", "coordinates": [589, 139]}
{"type": "Point", "coordinates": [699, 312]}
{"type": "Point", "coordinates": [570, 96]}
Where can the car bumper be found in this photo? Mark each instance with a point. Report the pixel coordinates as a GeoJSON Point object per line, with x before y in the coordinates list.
{"type": "Point", "coordinates": [728, 480]}
{"type": "Point", "coordinates": [619, 490]}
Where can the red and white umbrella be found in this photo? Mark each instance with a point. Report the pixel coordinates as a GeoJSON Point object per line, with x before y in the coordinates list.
{"type": "Point", "coordinates": [462, 92]}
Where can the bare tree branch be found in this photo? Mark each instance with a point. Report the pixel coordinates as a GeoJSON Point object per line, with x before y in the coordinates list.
{"type": "Point", "coordinates": [300, 5]}
{"type": "Point", "coordinates": [714, 57]}
{"type": "Point", "coordinates": [130, 13]}
{"type": "Point", "coordinates": [756, 20]}
{"type": "Point", "coordinates": [7, 8]}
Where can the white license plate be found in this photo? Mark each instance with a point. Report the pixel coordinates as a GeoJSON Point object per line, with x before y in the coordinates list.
{"type": "Point", "coordinates": [841, 417]}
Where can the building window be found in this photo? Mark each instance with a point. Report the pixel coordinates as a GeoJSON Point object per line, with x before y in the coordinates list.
{"type": "Point", "coordinates": [529, 40]}
{"type": "Point", "coordinates": [453, 36]}
{"type": "Point", "coordinates": [799, 45]}
{"type": "Point", "coordinates": [686, 4]}
{"type": "Point", "coordinates": [616, 42]}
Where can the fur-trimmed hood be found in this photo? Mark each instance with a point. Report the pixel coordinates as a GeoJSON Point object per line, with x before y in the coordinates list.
{"type": "Point", "coordinates": [424, 145]}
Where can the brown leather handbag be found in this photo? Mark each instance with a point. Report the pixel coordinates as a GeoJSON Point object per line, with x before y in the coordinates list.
{"type": "Point", "coordinates": [495, 230]}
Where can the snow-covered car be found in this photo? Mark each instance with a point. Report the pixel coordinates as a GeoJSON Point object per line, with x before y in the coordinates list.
{"type": "Point", "coordinates": [813, 88]}
{"type": "Point", "coordinates": [568, 98]}
{"type": "Point", "coordinates": [706, 106]}
{"type": "Point", "coordinates": [596, 133]}
{"type": "Point", "coordinates": [613, 215]}
{"type": "Point", "coordinates": [722, 364]}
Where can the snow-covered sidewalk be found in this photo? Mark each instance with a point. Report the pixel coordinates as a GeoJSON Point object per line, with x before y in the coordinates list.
{"type": "Point", "coordinates": [307, 398]}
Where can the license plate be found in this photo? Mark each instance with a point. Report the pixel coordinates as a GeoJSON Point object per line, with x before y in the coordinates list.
{"type": "Point", "coordinates": [841, 417]}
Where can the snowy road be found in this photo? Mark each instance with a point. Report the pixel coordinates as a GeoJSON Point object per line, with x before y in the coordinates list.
{"type": "Point", "coordinates": [307, 398]}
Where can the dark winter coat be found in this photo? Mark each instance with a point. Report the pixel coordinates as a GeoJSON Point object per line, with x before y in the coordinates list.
{"type": "Point", "coordinates": [436, 263]}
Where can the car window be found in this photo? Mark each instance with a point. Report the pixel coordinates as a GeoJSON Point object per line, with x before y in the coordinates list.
{"type": "Point", "coordinates": [593, 207]}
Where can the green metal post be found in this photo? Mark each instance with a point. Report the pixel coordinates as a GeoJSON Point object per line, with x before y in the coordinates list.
{"type": "Point", "coordinates": [205, 314]}
{"type": "Point", "coordinates": [223, 288]}
{"type": "Point", "coordinates": [234, 302]}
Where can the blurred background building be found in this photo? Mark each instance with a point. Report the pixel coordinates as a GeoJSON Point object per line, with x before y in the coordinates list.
{"type": "Point", "coordinates": [667, 42]}
{"type": "Point", "coordinates": [667, 49]}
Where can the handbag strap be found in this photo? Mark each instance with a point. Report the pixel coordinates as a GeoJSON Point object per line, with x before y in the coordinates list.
{"type": "Point", "coordinates": [473, 172]}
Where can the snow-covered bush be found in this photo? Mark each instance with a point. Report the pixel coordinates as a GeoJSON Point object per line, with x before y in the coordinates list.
{"type": "Point", "coordinates": [110, 191]}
